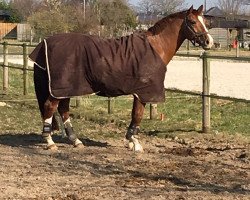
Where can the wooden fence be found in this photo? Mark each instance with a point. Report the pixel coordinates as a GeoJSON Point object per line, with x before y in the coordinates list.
{"type": "Point", "coordinates": [206, 96]}
{"type": "Point", "coordinates": [6, 65]}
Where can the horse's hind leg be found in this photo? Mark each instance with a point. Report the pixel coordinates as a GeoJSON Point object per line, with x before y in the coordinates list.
{"type": "Point", "coordinates": [50, 107]}
{"type": "Point", "coordinates": [63, 109]}
{"type": "Point", "coordinates": [134, 127]}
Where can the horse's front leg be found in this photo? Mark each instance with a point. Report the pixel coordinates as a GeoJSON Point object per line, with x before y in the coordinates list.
{"type": "Point", "coordinates": [50, 107]}
{"type": "Point", "coordinates": [63, 109]}
{"type": "Point", "coordinates": [134, 127]}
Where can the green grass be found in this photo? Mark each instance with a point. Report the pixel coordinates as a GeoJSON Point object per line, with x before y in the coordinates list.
{"type": "Point", "coordinates": [16, 82]}
{"type": "Point", "coordinates": [181, 115]}
{"type": "Point", "coordinates": [228, 116]}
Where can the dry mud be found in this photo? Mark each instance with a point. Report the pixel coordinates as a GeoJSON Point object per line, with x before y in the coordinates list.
{"type": "Point", "coordinates": [194, 167]}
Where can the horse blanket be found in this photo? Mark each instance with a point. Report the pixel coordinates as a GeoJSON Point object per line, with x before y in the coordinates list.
{"type": "Point", "coordinates": [79, 64]}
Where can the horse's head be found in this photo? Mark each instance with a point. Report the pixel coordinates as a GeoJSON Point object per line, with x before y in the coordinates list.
{"type": "Point", "coordinates": [196, 29]}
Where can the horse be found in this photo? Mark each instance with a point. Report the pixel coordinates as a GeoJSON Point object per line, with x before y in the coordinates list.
{"type": "Point", "coordinates": [74, 64]}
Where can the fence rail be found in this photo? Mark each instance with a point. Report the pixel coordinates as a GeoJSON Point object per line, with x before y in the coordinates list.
{"type": "Point", "coordinates": [206, 58]}
{"type": "Point", "coordinates": [232, 58]}
{"type": "Point", "coordinates": [6, 64]}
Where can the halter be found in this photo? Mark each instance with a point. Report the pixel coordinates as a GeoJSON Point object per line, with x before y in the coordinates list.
{"type": "Point", "coordinates": [196, 35]}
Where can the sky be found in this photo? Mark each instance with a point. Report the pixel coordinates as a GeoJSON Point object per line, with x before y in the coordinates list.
{"type": "Point", "coordinates": [196, 3]}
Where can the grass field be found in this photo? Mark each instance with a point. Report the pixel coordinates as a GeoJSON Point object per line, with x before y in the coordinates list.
{"type": "Point", "coordinates": [182, 114]}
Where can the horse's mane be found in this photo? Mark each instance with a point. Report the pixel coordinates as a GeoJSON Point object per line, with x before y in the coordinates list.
{"type": "Point", "coordinates": [161, 24]}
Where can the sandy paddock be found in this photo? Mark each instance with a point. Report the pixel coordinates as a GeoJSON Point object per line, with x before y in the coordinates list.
{"type": "Point", "coordinates": [227, 78]}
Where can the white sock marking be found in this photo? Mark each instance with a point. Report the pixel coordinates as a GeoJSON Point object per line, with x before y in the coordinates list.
{"type": "Point", "coordinates": [49, 120]}
{"type": "Point", "coordinates": [137, 146]}
{"type": "Point", "coordinates": [49, 141]}
{"type": "Point", "coordinates": [68, 120]}
{"type": "Point", "coordinates": [77, 142]}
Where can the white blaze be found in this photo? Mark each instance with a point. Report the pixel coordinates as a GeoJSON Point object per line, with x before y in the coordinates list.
{"type": "Point", "coordinates": [211, 40]}
{"type": "Point", "coordinates": [200, 18]}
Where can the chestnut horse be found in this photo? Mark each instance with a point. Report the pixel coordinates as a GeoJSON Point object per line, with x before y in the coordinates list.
{"type": "Point", "coordinates": [155, 48]}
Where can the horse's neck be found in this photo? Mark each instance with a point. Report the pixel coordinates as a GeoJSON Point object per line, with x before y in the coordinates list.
{"type": "Point", "coordinates": [168, 41]}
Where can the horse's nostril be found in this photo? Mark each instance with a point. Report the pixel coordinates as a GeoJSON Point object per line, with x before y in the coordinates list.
{"type": "Point", "coordinates": [207, 42]}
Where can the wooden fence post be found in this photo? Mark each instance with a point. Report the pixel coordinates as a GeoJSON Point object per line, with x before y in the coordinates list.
{"type": "Point", "coordinates": [238, 49]}
{"type": "Point", "coordinates": [25, 67]}
{"type": "Point", "coordinates": [188, 47]}
{"type": "Point", "coordinates": [78, 102]}
{"type": "Point", "coordinates": [5, 67]}
{"type": "Point", "coordinates": [153, 111]}
{"type": "Point", "coordinates": [110, 105]}
{"type": "Point", "coordinates": [206, 93]}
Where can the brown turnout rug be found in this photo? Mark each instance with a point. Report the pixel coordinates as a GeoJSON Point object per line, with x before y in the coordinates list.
{"type": "Point", "coordinates": [80, 64]}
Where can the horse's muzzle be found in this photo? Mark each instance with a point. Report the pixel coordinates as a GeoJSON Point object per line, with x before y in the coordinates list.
{"type": "Point", "coordinates": [208, 43]}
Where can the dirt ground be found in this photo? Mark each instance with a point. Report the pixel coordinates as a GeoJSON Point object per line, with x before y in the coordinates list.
{"type": "Point", "coordinates": [194, 167]}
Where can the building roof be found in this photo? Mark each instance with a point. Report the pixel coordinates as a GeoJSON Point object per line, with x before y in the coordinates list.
{"type": "Point", "coordinates": [4, 13]}
{"type": "Point", "coordinates": [218, 13]}
{"type": "Point", "coordinates": [214, 12]}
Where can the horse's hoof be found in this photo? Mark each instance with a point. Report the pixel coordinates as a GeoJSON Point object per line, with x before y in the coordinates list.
{"type": "Point", "coordinates": [131, 145]}
{"type": "Point", "coordinates": [137, 147]}
{"type": "Point", "coordinates": [52, 147]}
{"type": "Point", "coordinates": [79, 146]}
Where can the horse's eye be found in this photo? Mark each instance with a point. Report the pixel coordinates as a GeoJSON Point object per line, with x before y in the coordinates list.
{"type": "Point", "coordinates": [192, 22]}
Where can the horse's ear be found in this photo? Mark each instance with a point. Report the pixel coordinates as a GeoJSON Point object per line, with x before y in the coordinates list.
{"type": "Point", "coordinates": [190, 10]}
{"type": "Point", "coordinates": [200, 9]}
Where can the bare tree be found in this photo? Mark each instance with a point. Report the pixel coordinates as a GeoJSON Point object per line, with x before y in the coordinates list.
{"type": "Point", "coordinates": [116, 15]}
{"type": "Point", "coordinates": [163, 7]}
{"type": "Point", "coordinates": [146, 6]}
{"type": "Point", "coordinates": [167, 7]}
{"type": "Point", "coordinates": [25, 8]}
{"type": "Point", "coordinates": [231, 8]}
{"type": "Point", "coordinates": [247, 2]}
{"type": "Point", "coordinates": [53, 4]}
{"type": "Point", "coordinates": [57, 16]}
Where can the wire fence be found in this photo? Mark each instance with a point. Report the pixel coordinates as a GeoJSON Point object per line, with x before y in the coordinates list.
{"type": "Point", "coordinates": [22, 51]}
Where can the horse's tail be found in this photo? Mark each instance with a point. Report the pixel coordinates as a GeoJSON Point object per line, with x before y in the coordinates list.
{"type": "Point", "coordinates": [41, 87]}
{"type": "Point", "coordinates": [42, 91]}
{"type": "Point", "coordinates": [40, 75]}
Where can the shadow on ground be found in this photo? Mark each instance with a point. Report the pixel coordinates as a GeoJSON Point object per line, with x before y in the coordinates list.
{"type": "Point", "coordinates": [32, 139]}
